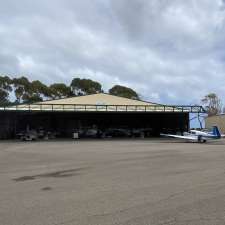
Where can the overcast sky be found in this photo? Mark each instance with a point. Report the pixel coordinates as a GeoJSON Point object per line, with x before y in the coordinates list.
{"type": "Point", "coordinates": [169, 51]}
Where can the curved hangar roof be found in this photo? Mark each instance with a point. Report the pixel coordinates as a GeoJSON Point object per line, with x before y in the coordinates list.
{"type": "Point", "coordinates": [96, 103]}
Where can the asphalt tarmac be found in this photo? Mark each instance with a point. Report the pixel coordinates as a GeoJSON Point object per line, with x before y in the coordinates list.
{"type": "Point", "coordinates": [112, 182]}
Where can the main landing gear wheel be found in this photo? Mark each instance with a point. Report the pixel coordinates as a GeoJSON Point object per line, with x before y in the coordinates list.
{"type": "Point", "coordinates": [200, 140]}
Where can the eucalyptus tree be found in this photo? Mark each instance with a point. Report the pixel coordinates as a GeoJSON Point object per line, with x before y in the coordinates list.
{"type": "Point", "coordinates": [212, 104]}
{"type": "Point", "coordinates": [85, 86]}
{"type": "Point", "coordinates": [123, 91]}
{"type": "Point", "coordinates": [59, 90]}
{"type": "Point", "coordinates": [5, 89]}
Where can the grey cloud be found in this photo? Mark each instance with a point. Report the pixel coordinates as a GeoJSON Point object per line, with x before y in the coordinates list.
{"type": "Point", "coordinates": [8, 64]}
{"type": "Point", "coordinates": [168, 50]}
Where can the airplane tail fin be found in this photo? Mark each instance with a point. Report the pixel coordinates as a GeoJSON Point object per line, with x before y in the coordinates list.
{"type": "Point", "coordinates": [216, 131]}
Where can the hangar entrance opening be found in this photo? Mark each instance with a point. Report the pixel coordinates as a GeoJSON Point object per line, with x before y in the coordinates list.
{"type": "Point", "coordinates": [103, 124]}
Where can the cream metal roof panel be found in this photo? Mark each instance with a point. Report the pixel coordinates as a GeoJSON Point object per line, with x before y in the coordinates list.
{"type": "Point", "coordinates": [97, 99]}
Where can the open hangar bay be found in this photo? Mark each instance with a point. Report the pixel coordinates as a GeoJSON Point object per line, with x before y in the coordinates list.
{"type": "Point", "coordinates": [112, 182]}
{"type": "Point", "coordinates": [97, 115]}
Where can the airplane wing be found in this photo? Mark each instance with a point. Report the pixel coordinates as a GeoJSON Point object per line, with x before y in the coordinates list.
{"type": "Point", "coordinates": [188, 137]}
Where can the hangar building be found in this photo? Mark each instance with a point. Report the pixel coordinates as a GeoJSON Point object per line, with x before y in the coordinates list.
{"type": "Point", "coordinates": [217, 120]}
{"type": "Point", "coordinates": [104, 113]}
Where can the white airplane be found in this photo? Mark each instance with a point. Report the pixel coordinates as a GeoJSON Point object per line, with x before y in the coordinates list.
{"type": "Point", "coordinates": [198, 136]}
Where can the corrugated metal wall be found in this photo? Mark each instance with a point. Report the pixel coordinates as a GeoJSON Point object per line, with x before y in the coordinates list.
{"type": "Point", "coordinates": [216, 120]}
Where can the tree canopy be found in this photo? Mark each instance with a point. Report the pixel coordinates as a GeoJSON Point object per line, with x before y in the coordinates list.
{"type": "Point", "coordinates": [26, 91]}
{"type": "Point", "coordinates": [5, 89]}
{"type": "Point", "coordinates": [212, 104]}
{"type": "Point", "coordinates": [22, 89]}
{"type": "Point", "coordinates": [85, 86]}
{"type": "Point", "coordinates": [123, 91]}
{"type": "Point", "coordinates": [40, 89]}
{"type": "Point", "coordinates": [59, 90]}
